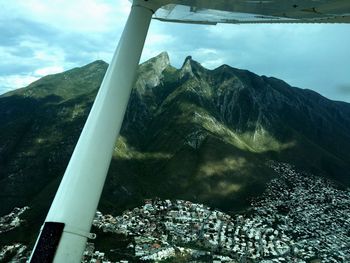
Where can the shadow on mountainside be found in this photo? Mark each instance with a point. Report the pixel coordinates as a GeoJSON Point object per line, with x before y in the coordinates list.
{"type": "Point", "coordinates": [188, 133]}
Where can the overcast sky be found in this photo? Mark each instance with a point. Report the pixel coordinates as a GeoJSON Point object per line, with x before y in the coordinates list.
{"type": "Point", "coordinates": [40, 37]}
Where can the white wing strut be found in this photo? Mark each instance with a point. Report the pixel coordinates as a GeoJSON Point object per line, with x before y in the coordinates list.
{"type": "Point", "coordinates": [67, 226]}
{"type": "Point", "coordinates": [78, 195]}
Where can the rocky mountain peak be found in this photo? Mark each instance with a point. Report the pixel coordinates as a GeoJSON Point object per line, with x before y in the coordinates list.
{"type": "Point", "coordinates": [163, 56]}
{"type": "Point", "coordinates": [150, 72]}
{"type": "Point", "coordinates": [191, 68]}
{"type": "Point", "coordinates": [204, 137]}
{"type": "Point", "coordinates": [186, 68]}
{"type": "Point", "coordinates": [188, 59]}
{"type": "Point", "coordinates": [158, 63]}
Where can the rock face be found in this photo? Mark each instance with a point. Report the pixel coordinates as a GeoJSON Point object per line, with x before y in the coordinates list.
{"type": "Point", "coordinates": [190, 133]}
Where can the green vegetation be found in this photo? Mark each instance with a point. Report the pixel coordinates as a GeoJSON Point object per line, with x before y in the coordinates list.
{"type": "Point", "coordinates": [188, 133]}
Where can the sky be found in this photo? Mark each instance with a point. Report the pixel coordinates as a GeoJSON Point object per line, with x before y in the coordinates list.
{"type": "Point", "coordinates": [41, 37]}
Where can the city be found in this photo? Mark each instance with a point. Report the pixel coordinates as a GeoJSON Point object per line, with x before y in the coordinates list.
{"type": "Point", "coordinates": [299, 218]}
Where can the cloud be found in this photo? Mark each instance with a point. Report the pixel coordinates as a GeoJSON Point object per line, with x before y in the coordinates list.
{"type": "Point", "coordinates": [203, 52]}
{"type": "Point", "coordinates": [210, 58]}
{"type": "Point", "coordinates": [61, 34]}
{"type": "Point", "coordinates": [50, 36]}
{"type": "Point", "coordinates": [79, 15]}
{"type": "Point", "coordinates": [155, 43]}
{"type": "Point", "coordinates": [344, 89]}
{"type": "Point", "coordinates": [11, 82]}
{"type": "Point", "coordinates": [307, 56]}
{"type": "Point", "coordinates": [48, 70]}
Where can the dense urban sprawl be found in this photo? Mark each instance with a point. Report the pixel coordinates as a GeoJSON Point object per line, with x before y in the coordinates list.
{"type": "Point", "coordinates": [299, 218]}
{"type": "Point", "coordinates": [12, 220]}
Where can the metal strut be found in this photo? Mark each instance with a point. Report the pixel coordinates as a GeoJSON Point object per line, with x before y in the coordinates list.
{"type": "Point", "coordinates": [78, 195]}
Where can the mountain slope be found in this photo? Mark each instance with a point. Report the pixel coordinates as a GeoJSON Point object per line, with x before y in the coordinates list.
{"type": "Point", "coordinates": [208, 133]}
{"type": "Point", "coordinates": [189, 133]}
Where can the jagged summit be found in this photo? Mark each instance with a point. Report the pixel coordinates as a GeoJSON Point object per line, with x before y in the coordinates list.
{"type": "Point", "coordinates": [187, 61]}
{"type": "Point", "coordinates": [158, 63]}
{"type": "Point", "coordinates": [189, 133]}
{"type": "Point", "coordinates": [164, 57]}
{"type": "Point", "coordinates": [150, 72]}
{"type": "Point", "coordinates": [191, 68]}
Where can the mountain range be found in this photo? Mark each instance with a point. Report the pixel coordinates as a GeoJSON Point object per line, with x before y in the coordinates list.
{"type": "Point", "coordinates": [189, 133]}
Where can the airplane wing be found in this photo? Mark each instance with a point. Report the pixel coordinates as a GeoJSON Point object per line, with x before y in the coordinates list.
{"type": "Point", "coordinates": [255, 11]}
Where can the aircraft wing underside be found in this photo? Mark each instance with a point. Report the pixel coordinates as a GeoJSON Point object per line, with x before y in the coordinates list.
{"type": "Point", "coordinates": [255, 11]}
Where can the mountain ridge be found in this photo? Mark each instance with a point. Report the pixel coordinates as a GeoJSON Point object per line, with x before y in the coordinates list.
{"type": "Point", "coordinates": [189, 133]}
